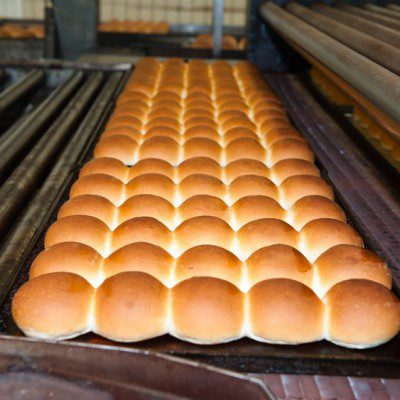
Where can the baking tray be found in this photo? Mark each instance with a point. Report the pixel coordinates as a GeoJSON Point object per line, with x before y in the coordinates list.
{"type": "Point", "coordinates": [341, 163]}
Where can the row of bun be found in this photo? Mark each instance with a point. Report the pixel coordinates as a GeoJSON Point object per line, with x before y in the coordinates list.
{"type": "Point", "coordinates": [337, 264]}
{"type": "Point", "coordinates": [134, 306]}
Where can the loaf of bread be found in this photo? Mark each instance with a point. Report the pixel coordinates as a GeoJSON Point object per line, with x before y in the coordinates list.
{"type": "Point", "coordinates": [202, 215]}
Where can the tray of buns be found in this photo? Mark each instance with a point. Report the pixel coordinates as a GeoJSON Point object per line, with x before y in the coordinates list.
{"type": "Point", "coordinates": [201, 226]}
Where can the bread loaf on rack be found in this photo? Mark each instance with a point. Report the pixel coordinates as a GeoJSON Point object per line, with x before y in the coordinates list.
{"type": "Point", "coordinates": [202, 215]}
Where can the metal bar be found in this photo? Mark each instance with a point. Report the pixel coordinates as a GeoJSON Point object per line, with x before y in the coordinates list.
{"type": "Point", "coordinates": [382, 10]}
{"type": "Point", "coordinates": [19, 89]}
{"type": "Point", "coordinates": [218, 26]}
{"type": "Point", "coordinates": [371, 16]}
{"type": "Point", "coordinates": [382, 53]}
{"type": "Point", "coordinates": [369, 196]}
{"type": "Point", "coordinates": [387, 35]}
{"type": "Point", "coordinates": [24, 132]}
{"type": "Point", "coordinates": [24, 233]}
{"type": "Point", "coordinates": [395, 7]}
{"type": "Point", "coordinates": [25, 178]}
{"type": "Point", "coordinates": [378, 84]}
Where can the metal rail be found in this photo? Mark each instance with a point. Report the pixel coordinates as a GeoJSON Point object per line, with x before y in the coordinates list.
{"type": "Point", "coordinates": [387, 35]}
{"type": "Point", "coordinates": [25, 178]}
{"type": "Point", "coordinates": [371, 16]}
{"type": "Point", "coordinates": [382, 53]}
{"type": "Point", "coordinates": [382, 10]}
{"type": "Point", "coordinates": [395, 7]}
{"type": "Point", "coordinates": [24, 233]}
{"type": "Point", "coordinates": [19, 89]}
{"type": "Point", "coordinates": [17, 138]}
{"type": "Point", "coordinates": [378, 84]}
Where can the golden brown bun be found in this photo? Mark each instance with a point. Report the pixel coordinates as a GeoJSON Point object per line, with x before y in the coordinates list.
{"type": "Point", "coordinates": [80, 229]}
{"type": "Point", "coordinates": [246, 167]}
{"type": "Point", "coordinates": [265, 232]}
{"type": "Point", "coordinates": [251, 185]}
{"type": "Point", "coordinates": [131, 306]}
{"type": "Point", "coordinates": [207, 311]}
{"type": "Point", "coordinates": [147, 205]}
{"type": "Point", "coordinates": [202, 205]}
{"type": "Point", "coordinates": [121, 147]}
{"type": "Point", "coordinates": [203, 230]}
{"type": "Point", "coordinates": [290, 148]}
{"type": "Point", "coordinates": [244, 148]}
{"type": "Point", "coordinates": [56, 306]}
{"type": "Point", "coordinates": [164, 121]}
{"type": "Point", "coordinates": [361, 314]}
{"type": "Point", "coordinates": [286, 312]}
{"type": "Point", "coordinates": [99, 184]}
{"type": "Point", "coordinates": [251, 208]}
{"type": "Point", "coordinates": [202, 131]}
{"type": "Point", "coordinates": [71, 257]}
{"type": "Point", "coordinates": [239, 133]}
{"type": "Point", "coordinates": [143, 257]}
{"type": "Point", "coordinates": [155, 184]}
{"type": "Point", "coordinates": [290, 167]}
{"type": "Point", "coordinates": [202, 147]}
{"type": "Point", "coordinates": [200, 121]}
{"type": "Point", "coordinates": [124, 120]}
{"type": "Point", "coordinates": [314, 207]}
{"type": "Point", "coordinates": [279, 261]}
{"type": "Point", "coordinates": [281, 133]}
{"type": "Point", "coordinates": [151, 166]}
{"type": "Point", "coordinates": [198, 184]}
{"type": "Point", "coordinates": [200, 165]}
{"type": "Point", "coordinates": [92, 205]}
{"type": "Point", "coordinates": [320, 235]}
{"type": "Point", "coordinates": [160, 147]}
{"type": "Point", "coordinates": [162, 131]}
{"type": "Point", "coordinates": [211, 261]}
{"type": "Point", "coordinates": [296, 187]}
{"type": "Point", "coordinates": [344, 262]}
{"type": "Point", "coordinates": [124, 131]}
{"type": "Point", "coordinates": [105, 166]}
{"type": "Point", "coordinates": [141, 229]}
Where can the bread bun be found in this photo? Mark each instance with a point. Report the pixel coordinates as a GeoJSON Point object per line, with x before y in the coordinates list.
{"type": "Point", "coordinates": [355, 314]}
{"type": "Point", "coordinates": [105, 166]}
{"type": "Point", "coordinates": [92, 205]}
{"type": "Point", "coordinates": [204, 205]}
{"type": "Point", "coordinates": [245, 166]}
{"type": "Point", "coordinates": [207, 311]}
{"type": "Point", "coordinates": [344, 262]}
{"type": "Point", "coordinates": [264, 232]}
{"type": "Point", "coordinates": [251, 185]}
{"type": "Point", "coordinates": [155, 184]}
{"type": "Point", "coordinates": [151, 166]}
{"type": "Point", "coordinates": [284, 311]}
{"type": "Point", "coordinates": [121, 147]}
{"type": "Point", "coordinates": [76, 258]}
{"type": "Point", "coordinates": [56, 305]}
{"type": "Point", "coordinates": [130, 307]}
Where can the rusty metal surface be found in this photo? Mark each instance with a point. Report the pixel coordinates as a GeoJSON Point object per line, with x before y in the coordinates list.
{"type": "Point", "coordinates": [376, 83]}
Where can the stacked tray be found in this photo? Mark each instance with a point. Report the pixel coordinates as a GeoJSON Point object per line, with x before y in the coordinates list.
{"type": "Point", "coordinates": [203, 216]}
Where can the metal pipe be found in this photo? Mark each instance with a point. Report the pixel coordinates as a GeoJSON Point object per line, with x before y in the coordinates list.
{"type": "Point", "coordinates": [372, 16]}
{"type": "Point", "coordinates": [395, 7]}
{"type": "Point", "coordinates": [19, 89]}
{"type": "Point", "coordinates": [376, 83]}
{"type": "Point", "coordinates": [218, 26]}
{"type": "Point", "coordinates": [25, 178]}
{"type": "Point", "coordinates": [382, 53]}
{"type": "Point", "coordinates": [387, 35]}
{"type": "Point", "coordinates": [382, 10]}
{"type": "Point", "coordinates": [23, 234]}
{"type": "Point", "coordinates": [17, 138]}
